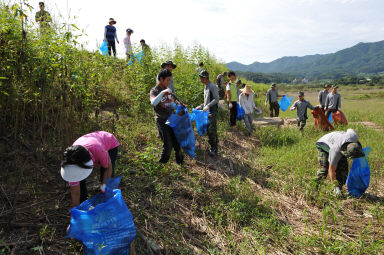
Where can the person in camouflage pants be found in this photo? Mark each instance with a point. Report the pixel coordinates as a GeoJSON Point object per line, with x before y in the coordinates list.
{"type": "Point", "coordinates": [211, 100]}
{"type": "Point", "coordinates": [341, 170]}
{"type": "Point", "coordinates": [333, 150]}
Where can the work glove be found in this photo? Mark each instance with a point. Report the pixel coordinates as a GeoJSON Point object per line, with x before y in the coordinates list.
{"type": "Point", "coordinates": [265, 104]}
{"type": "Point", "coordinates": [337, 191]}
{"type": "Point", "coordinates": [102, 188]}
{"type": "Point", "coordinates": [206, 108]}
{"type": "Point", "coordinates": [230, 105]}
{"type": "Point", "coordinates": [198, 108]}
{"type": "Point", "coordinates": [167, 91]}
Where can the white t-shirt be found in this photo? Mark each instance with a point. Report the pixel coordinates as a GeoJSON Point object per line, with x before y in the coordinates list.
{"type": "Point", "coordinates": [335, 140]}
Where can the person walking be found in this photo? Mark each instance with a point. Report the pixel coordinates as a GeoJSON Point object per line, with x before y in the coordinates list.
{"type": "Point", "coordinates": [128, 44]}
{"type": "Point", "coordinates": [169, 65]}
{"type": "Point", "coordinates": [43, 17]}
{"type": "Point", "coordinates": [221, 83]}
{"type": "Point", "coordinates": [164, 104]}
{"type": "Point", "coordinates": [271, 96]}
{"type": "Point", "coordinates": [333, 150]}
{"type": "Point", "coordinates": [211, 100]}
{"type": "Point", "coordinates": [323, 96]}
{"type": "Point", "coordinates": [110, 36]}
{"type": "Point", "coordinates": [87, 152]}
{"type": "Point", "coordinates": [301, 106]}
{"type": "Point", "coordinates": [232, 97]}
{"type": "Point", "coordinates": [248, 104]}
{"type": "Point", "coordinates": [332, 102]}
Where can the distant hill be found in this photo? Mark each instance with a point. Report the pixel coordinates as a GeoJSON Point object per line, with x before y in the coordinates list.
{"type": "Point", "coordinates": [361, 58]}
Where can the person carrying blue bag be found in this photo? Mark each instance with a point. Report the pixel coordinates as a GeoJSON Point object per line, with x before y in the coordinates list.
{"type": "Point", "coordinates": [164, 104]}
{"type": "Point", "coordinates": [333, 150]}
{"type": "Point", "coordinates": [94, 149]}
{"type": "Point", "coordinates": [211, 100]}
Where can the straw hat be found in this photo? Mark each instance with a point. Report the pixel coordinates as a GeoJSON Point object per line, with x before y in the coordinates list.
{"type": "Point", "coordinates": [247, 90]}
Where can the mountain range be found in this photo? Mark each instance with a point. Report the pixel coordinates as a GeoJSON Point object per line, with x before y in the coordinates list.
{"type": "Point", "coordinates": [363, 58]}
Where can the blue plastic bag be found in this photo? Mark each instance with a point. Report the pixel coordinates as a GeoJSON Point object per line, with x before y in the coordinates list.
{"type": "Point", "coordinates": [359, 176]}
{"type": "Point", "coordinates": [330, 119]}
{"type": "Point", "coordinates": [103, 223]}
{"type": "Point", "coordinates": [240, 112]}
{"type": "Point", "coordinates": [181, 126]}
{"type": "Point", "coordinates": [201, 119]}
{"type": "Point", "coordinates": [104, 48]}
{"type": "Point", "coordinates": [285, 102]}
{"type": "Point", "coordinates": [137, 57]}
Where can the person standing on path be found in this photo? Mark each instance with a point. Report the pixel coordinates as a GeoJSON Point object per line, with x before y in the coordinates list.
{"type": "Point", "coordinates": [110, 36]}
{"type": "Point", "coordinates": [211, 100]}
{"type": "Point", "coordinates": [332, 102]}
{"type": "Point", "coordinates": [333, 150]}
{"type": "Point", "coordinates": [94, 149]}
{"type": "Point", "coordinates": [232, 97]}
{"type": "Point", "coordinates": [271, 96]}
{"type": "Point", "coordinates": [248, 104]}
{"type": "Point", "coordinates": [128, 44]}
{"type": "Point", "coordinates": [164, 104]}
{"type": "Point", "coordinates": [301, 105]}
{"type": "Point", "coordinates": [169, 65]}
{"type": "Point", "coordinates": [221, 83]}
{"type": "Point", "coordinates": [43, 17]}
{"type": "Point", "coordinates": [323, 96]}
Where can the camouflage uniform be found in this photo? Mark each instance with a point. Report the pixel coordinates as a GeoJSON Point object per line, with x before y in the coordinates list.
{"type": "Point", "coordinates": [341, 170]}
{"type": "Point", "coordinates": [347, 150]}
{"type": "Point", "coordinates": [212, 131]}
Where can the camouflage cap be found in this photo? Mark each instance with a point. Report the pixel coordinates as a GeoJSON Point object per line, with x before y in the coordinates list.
{"type": "Point", "coordinates": [353, 150]}
{"type": "Point", "coordinates": [273, 85]}
{"type": "Point", "coordinates": [204, 74]}
{"type": "Point", "coordinates": [239, 82]}
{"type": "Point", "coordinates": [335, 86]}
{"type": "Point", "coordinates": [327, 85]}
{"type": "Point", "coordinates": [301, 93]}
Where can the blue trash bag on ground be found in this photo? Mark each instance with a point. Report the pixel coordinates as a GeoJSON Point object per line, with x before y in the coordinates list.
{"type": "Point", "coordinates": [359, 176]}
{"type": "Point", "coordinates": [104, 48]}
{"type": "Point", "coordinates": [103, 223]}
{"type": "Point", "coordinates": [240, 112]}
{"type": "Point", "coordinates": [285, 102]}
{"type": "Point", "coordinates": [137, 57]}
{"type": "Point", "coordinates": [330, 119]}
{"type": "Point", "coordinates": [181, 125]}
{"type": "Point", "coordinates": [201, 119]}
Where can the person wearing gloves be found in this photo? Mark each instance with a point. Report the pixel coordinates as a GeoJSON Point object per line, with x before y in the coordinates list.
{"type": "Point", "coordinates": [332, 102]}
{"type": "Point", "coordinates": [231, 95]}
{"type": "Point", "coordinates": [211, 100]}
{"type": "Point", "coordinates": [333, 150]}
{"type": "Point", "coordinates": [247, 103]}
{"type": "Point", "coordinates": [110, 35]}
{"type": "Point", "coordinates": [164, 104]}
{"type": "Point", "coordinates": [323, 96]}
{"type": "Point", "coordinates": [301, 106]}
{"type": "Point", "coordinates": [128, 44]}
{"type": "Point", "coordinates": [91, 150]}
{"type": "Point", "coordinates": [169, 65]}
{"type": "Point", "coordinates": [271, 96]}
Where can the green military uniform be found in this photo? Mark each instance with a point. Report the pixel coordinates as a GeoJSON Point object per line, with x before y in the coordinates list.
{"type": "Point", "coordinates": [43, 18]}
{"type": "Point", "coordinates": [334, 148]}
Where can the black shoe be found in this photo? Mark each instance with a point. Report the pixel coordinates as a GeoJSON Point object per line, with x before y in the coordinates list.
{"type": "Point", "coordinates": [180, 159]}
{"type": "Point", "coordinates": [212, 153]}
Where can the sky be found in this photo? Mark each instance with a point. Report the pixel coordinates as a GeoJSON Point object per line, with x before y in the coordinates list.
{"type": "Point", "coordinates": [243, 30]}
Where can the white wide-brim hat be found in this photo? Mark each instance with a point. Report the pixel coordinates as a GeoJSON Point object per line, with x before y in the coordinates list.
{"type": "Point", "coordinates": [74, 173]}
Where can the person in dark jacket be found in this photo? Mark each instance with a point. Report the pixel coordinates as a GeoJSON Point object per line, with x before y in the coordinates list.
{"type": "Point", "coordinates": [110, 36]}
